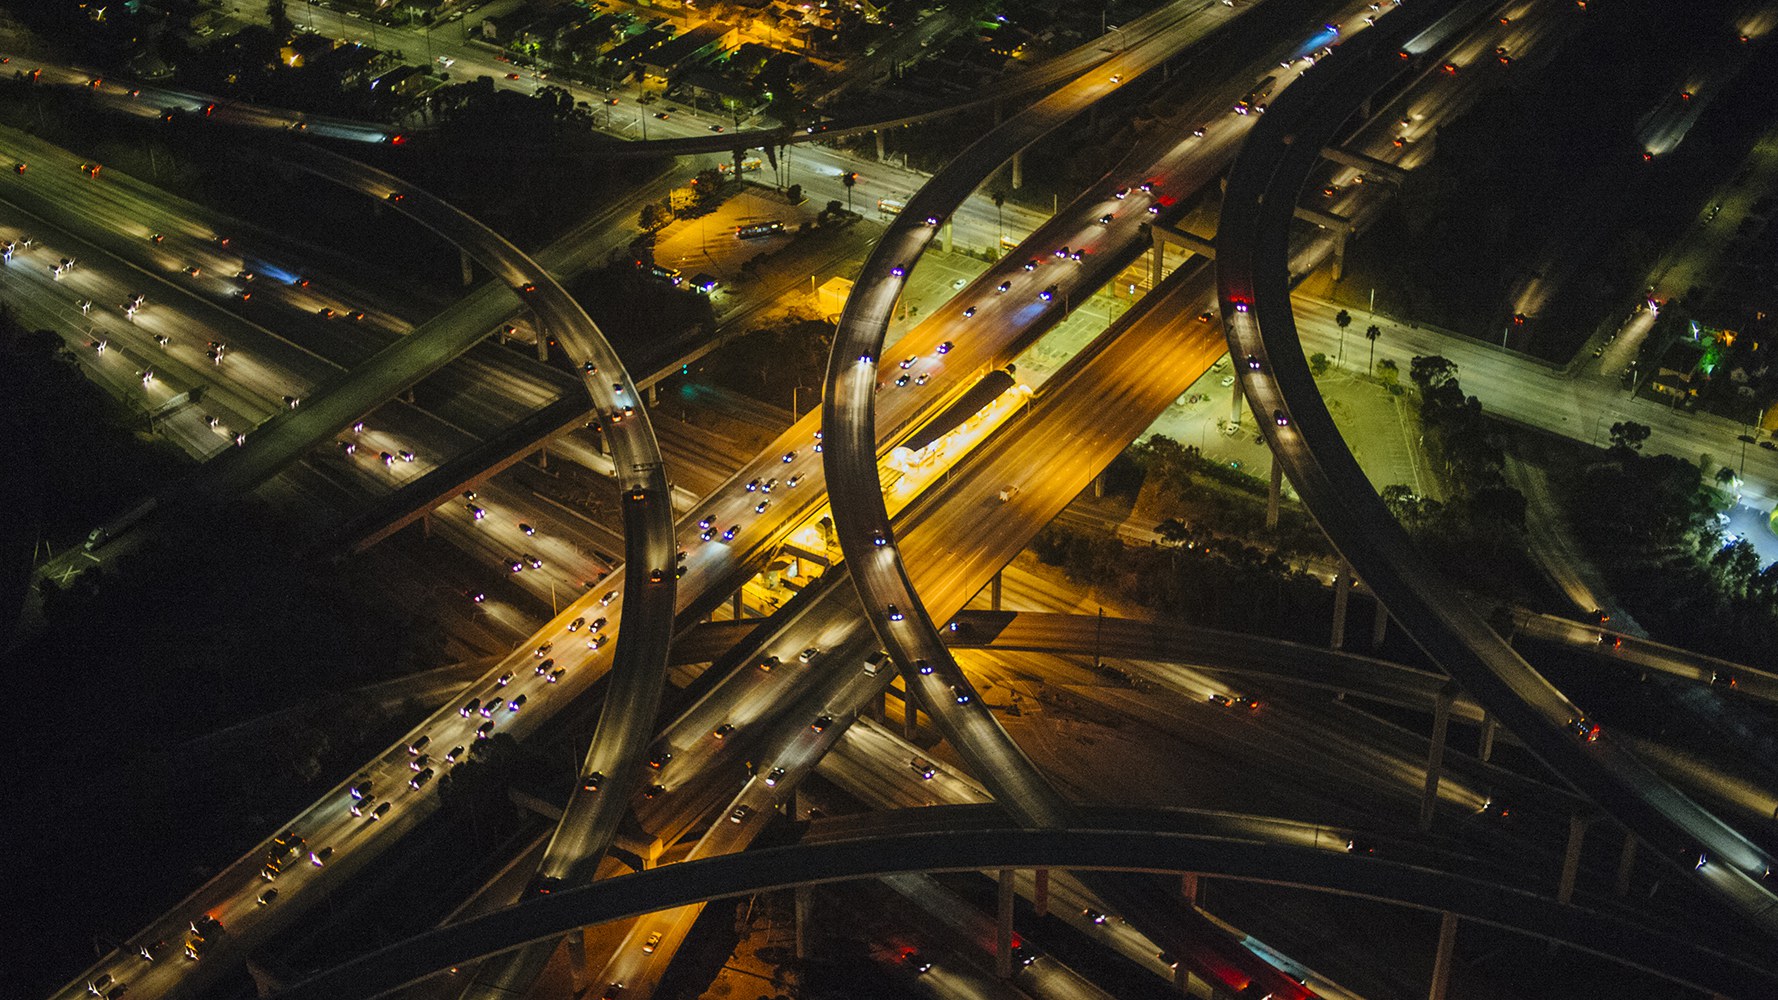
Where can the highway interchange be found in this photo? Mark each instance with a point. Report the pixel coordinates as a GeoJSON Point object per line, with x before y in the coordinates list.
{"type": "Point", "coordinates": [829, 621]}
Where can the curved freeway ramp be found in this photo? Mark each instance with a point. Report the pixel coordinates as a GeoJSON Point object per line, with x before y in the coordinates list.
{"type": "Point", "coordinates": [862, 522]}
{"type": "Point", "coordinates": [975, 838]}
{"type": "Point", "coordinates": [1253, 238]}
{"type": "Point", "coordinates": [639, 667]}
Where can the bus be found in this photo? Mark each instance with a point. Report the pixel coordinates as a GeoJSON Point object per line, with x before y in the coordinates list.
{"type": "Point", "coordinates": [759, 230]}
{"type": "Point", "coordinates": [671, 275]}
{"type": "Point", "coordinates": [1253, 101]}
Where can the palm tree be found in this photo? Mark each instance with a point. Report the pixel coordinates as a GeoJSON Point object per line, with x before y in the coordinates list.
{"type": "Point", "coordinates": [1371, 335]}
{"type": "Point", "coordinates": [849, 178]}
{"type": "Point", "coordinates": [998, 197]}
{"type": "Point", "coordinates": [1344, 320]}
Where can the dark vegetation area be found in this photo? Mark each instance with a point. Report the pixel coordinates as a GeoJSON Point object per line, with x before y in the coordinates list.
{"type": "Point", "coordinates": [781, 363]}
{"type": "Point", "coordinates": [1544, 179]}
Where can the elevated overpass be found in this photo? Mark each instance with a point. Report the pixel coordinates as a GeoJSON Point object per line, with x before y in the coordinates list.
{"type": "Point", "coordinates": [974, 838]}
{"type": "Point", "coordinates": [1253, 243]}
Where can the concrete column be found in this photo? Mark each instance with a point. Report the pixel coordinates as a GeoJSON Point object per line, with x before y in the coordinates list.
{"type": "Point", "coordinates": [653, 399]}
{"type": "Point", "coordinates": [910, 717]}
{"type": "Point", "coordinates": [1489, 727]}
{"type": "Point", "coordinates": [1157, 258]}
{"type": "Point", "coordinates": [1018, 170]}
{"type": "Point", "coordinates": [1235, 403]}
{"type": "Point", "coordinates": [543, 454]}
{"type": "Point", "coordinates": [1188, 887]}
{"type": "Point", "coordinates": [878, 709]}
{"type": "Point", "coordinates": [1339, 257]}
{"type": "Point", "coordinates": [1441, 959]}
{"type": "Point", "coordinates": [1577, 832]}
{"type": "Point", "coordinates": [880, 151]}
{"type": "Point", "coordinates": [1626, 864]}
{"type": "Point", "coordinates": [804, 897]}
{"type": "Point", "coordinates": [944, 236]}
{"type": "Point", "coordinates": [1273, 494]}
{"type": "Point", "coordinates": [737, 606]}
{"type": "Point", "coordinates": [1342, 590]}
{"type": "Point", "coordinates": [1099, 485]}
{"type": "Point", "coordinates": [542, 344]}
{"type": "Point", "coordinates": [1040, 892]}
{"type": "Point", "coordinates": [1380, 627]}
{"type": "Point", "coordinates": [577, 956]}
{"type": "Point", "coordinates": [1183, 979]}
{"type": "Point", "coordinates": [426, 524]}
{"type": "Point", "coordinates": [1003, 931]}
{"type": "Point", "coordinates": [994, 591]}
{"type": "Point", "coordinates": [468, 267]}
{"type": "Point", "coordinates": [1435, 755]}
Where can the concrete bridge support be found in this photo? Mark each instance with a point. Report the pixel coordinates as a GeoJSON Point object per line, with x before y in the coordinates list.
{"type": "Point", "coordinates": [1003, 930]}
{"type": "Point", "coordinates": [1441, 959]}
{"type": "Point", "coordinates": [1435, 755]}
{"type": "Point", "coordinates": [1577, 833]}
{"type": "Point", "coordinates": [1342, 594]}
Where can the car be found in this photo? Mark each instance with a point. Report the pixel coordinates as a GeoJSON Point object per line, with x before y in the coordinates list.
{"type": "Point", "coordinates": [419, 746]}
{"type": "Point", "coordinates": [770, 663]}
{"type": "Point", "coordinates": [484, 730]}
{"type": "Point", "coordinates": [574, 626]}
{"type": "Point", "coordinates": [527, 529]}
{"type": "Point", "coordinates": [609, 596]}
{"type": "Point", "coordinates": [419, 780]}
{"type": "Point", "coordinates": [1094, 916]}
{"type": "Point", "coordinates": [360, 790]}
{"type": "Point", "coordinates": [660, 115]}
{"type": "Point", "coordinates": [895, 614]}
{"type": "Point", "coordinates": [660, 759]}
{"type": "Point", "coordinates": [1079, 253]}
{"type": "Point", "coordinates": [1588, 732]}
{"type": "Point", "coordinates": [1253, 362]}
{"type": "Point", "coordinates": [544, 649]}
{"type": "Point", "coordinates": [555, 676]}
{"type": "Point", "coordinates": [968, 313]}
{"type": "Point", "coordinates": [1769, 446]}
{"type": "Point", "coordinates": [909, 361]}
{"type": "Point", "coordinates": [516, 704]}
{"type": "Point", "coordinates": [944, 348]}
{"type": "Point", "coordinates": [404, 454]}
{"type": "Point", "coordinates": [716, 128]}
{"type": "Point", "coordinates": [1198, 131]}
{"type": "Point", "coordinates": [722, 731]}
{"type": "Point", "coordinates": [545, 666]}
{"type": "Point", "coordinates": [902, 380]}
{"type": "Point", "coordinates": [922, 665]}
{"type": "Point", "coordinates": [1121, 193]}
{"type": "Point", "coordinates": [455, 754]}
{"type": "Point", "coordinates": [512, 76]}
{"type": "Point", "coordinates": [653, 790]}
{"type": "Point", "coordinates": [1146, 187]}
{"type": "Point", "coordinates": [359, 807]}
{"type": "Point", "coordinates": [752, 486]}
{"type": "Point", "coordinates": [789, 456]}
{"type": "Point", "coordinates": [514, 564]}
{"type": "Point", "coordinates": [532, 561]}
{"type": "Point", "coordinates": [898, 271]}
{"type": "Point", "coordinates": [707, 534]}
{"type": "Point", "coordinates": [821, 723]}
{"type": "Point", "coordinates": [1205, 317]}
{"type": "Point", "coordinates": [790, 484]}
{"type": "Point", "coordinates": [1279, 418]}
{"type": "Point", "coordinates": [729, 533]}
{"type": "Point", "coordinates": [1360, 844]}
{"type": "Point", "coordinates": [760, 507]}
{"type": "Point", "coordinates": [1048, 293]}
{"type": "Point", "coordinates": [612, 992]}
{"type": "Point", "coordinates": [268, 897]}
{"type": "Point", "coordinates": [774, 776]}
{"type": "Point", "coordinates": [97, 987]}
{"type": "Point", "coordinates": [740, 814]}
{"type": "Point", "coordinates": [318, 858]}
{"type": "Point", "coordinates": [1105, 220]}
{"type": "Point", "coordinates": [963, 696]}
{"type": "Point", "coordinates": [1226, 381]}
{"type": "Point", "coordinates": [470, 707]}
{"type": "Point", "coordinates": [807, 655]}
{"type": "Point", "coordinates": [1031, 265]}
{"type": "Point", "coordinates": [379, 812]}
{"type": "Point", "coordinates": [597, 641]}
{"type": "Point", "coordinates": [769, 485]}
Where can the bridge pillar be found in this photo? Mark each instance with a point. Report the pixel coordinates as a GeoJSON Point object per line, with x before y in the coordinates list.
{"type": "Point", "coordinates": [1626, 864]}
{"type": "Point", "coordinates": [1380, 626]}
{"type": "Point", "coordinates": [1435, 755]}
{"type": "Point", "coordinates": [910, 716]}
{"type": "Point", "coordinates": [1339, 255]}
{"type": "Point", "coordinates": [1040, 892]}
{"type": "Point", "coordinates": [1577, 833]}
{"type": "Point", "coordinates": [1342, 591]}
{"type": "Point", "coordinates": [1489, 727]}
{"type": "Point", "coordinates": [576, 957]}
{"type": "Point", "coordinates": [1441, 959]}
{"type": "Point", "coordinates": [542, 344]}
{"type": "Point", "coordinates": [945, 236]}
{"type": "Point", "coordinates": [426, 524]}
{"type": "Point", "coordinates": [468, 267]}
{"type": "Point", "coordinates": [1157, 259]}
{"type": "Point", "coordinates": [653, 400]}
{"type": "Point", "coordinates": [1235, 404]}
{"type": "Point", "coordinates": [879, 707]}
{"type": "Point", "coordinates": [804, 897]}
{"type": "Point", "coordinates": [1099, 485]}
{"type": "Point", "coordinates": [1188, 887]}
{"type": "Point", "coordinates": [994, 591]}
{"type": "Point", "coordinates": [1003, 928]}
{"type": "Point", "coordinates": [1272, 494]}
{"type": "Point", "coordinates": [1018, 170]}
{"type": "Point", "coordinates": [543, 454]}
{"type": "Point", "coordinates": [880, 151]}
{"type": "Point", "coordinates": [737, 607]}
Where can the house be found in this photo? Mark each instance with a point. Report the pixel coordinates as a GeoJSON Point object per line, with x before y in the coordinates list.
{"type": "Point", "coordinates": [663, 64]}
{"type": "Point", "coordinates": [402, 81]}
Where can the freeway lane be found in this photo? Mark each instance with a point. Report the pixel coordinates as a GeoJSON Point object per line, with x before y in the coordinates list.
{"type": "Point", "coordinates": [977, 838]}
{"type": "Point", "coordinates": [1252, 245]}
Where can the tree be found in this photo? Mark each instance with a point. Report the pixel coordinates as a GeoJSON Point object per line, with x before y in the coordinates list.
{"type": "Point", "coordinates": [1342, 319]}
{"type": "Point", "coordinates": [1389, 372]}
{"type": "Point", "coordinates": [279, 19]}
{"type": "Point", "coordinates": [1371, 335]}
{"type": "Point", "coordinates": [1432, 372]}
{"type": "Point", "coordinates": [795, 194]}
{"type": "Point", "coordinates": [849, 179]}
{"type": "Point", "coordinates": [1727, 479]}
{"type": "Point", "coordinates": [1627, 436]}
{"type": "Point", "coordinates": [655, 216]}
